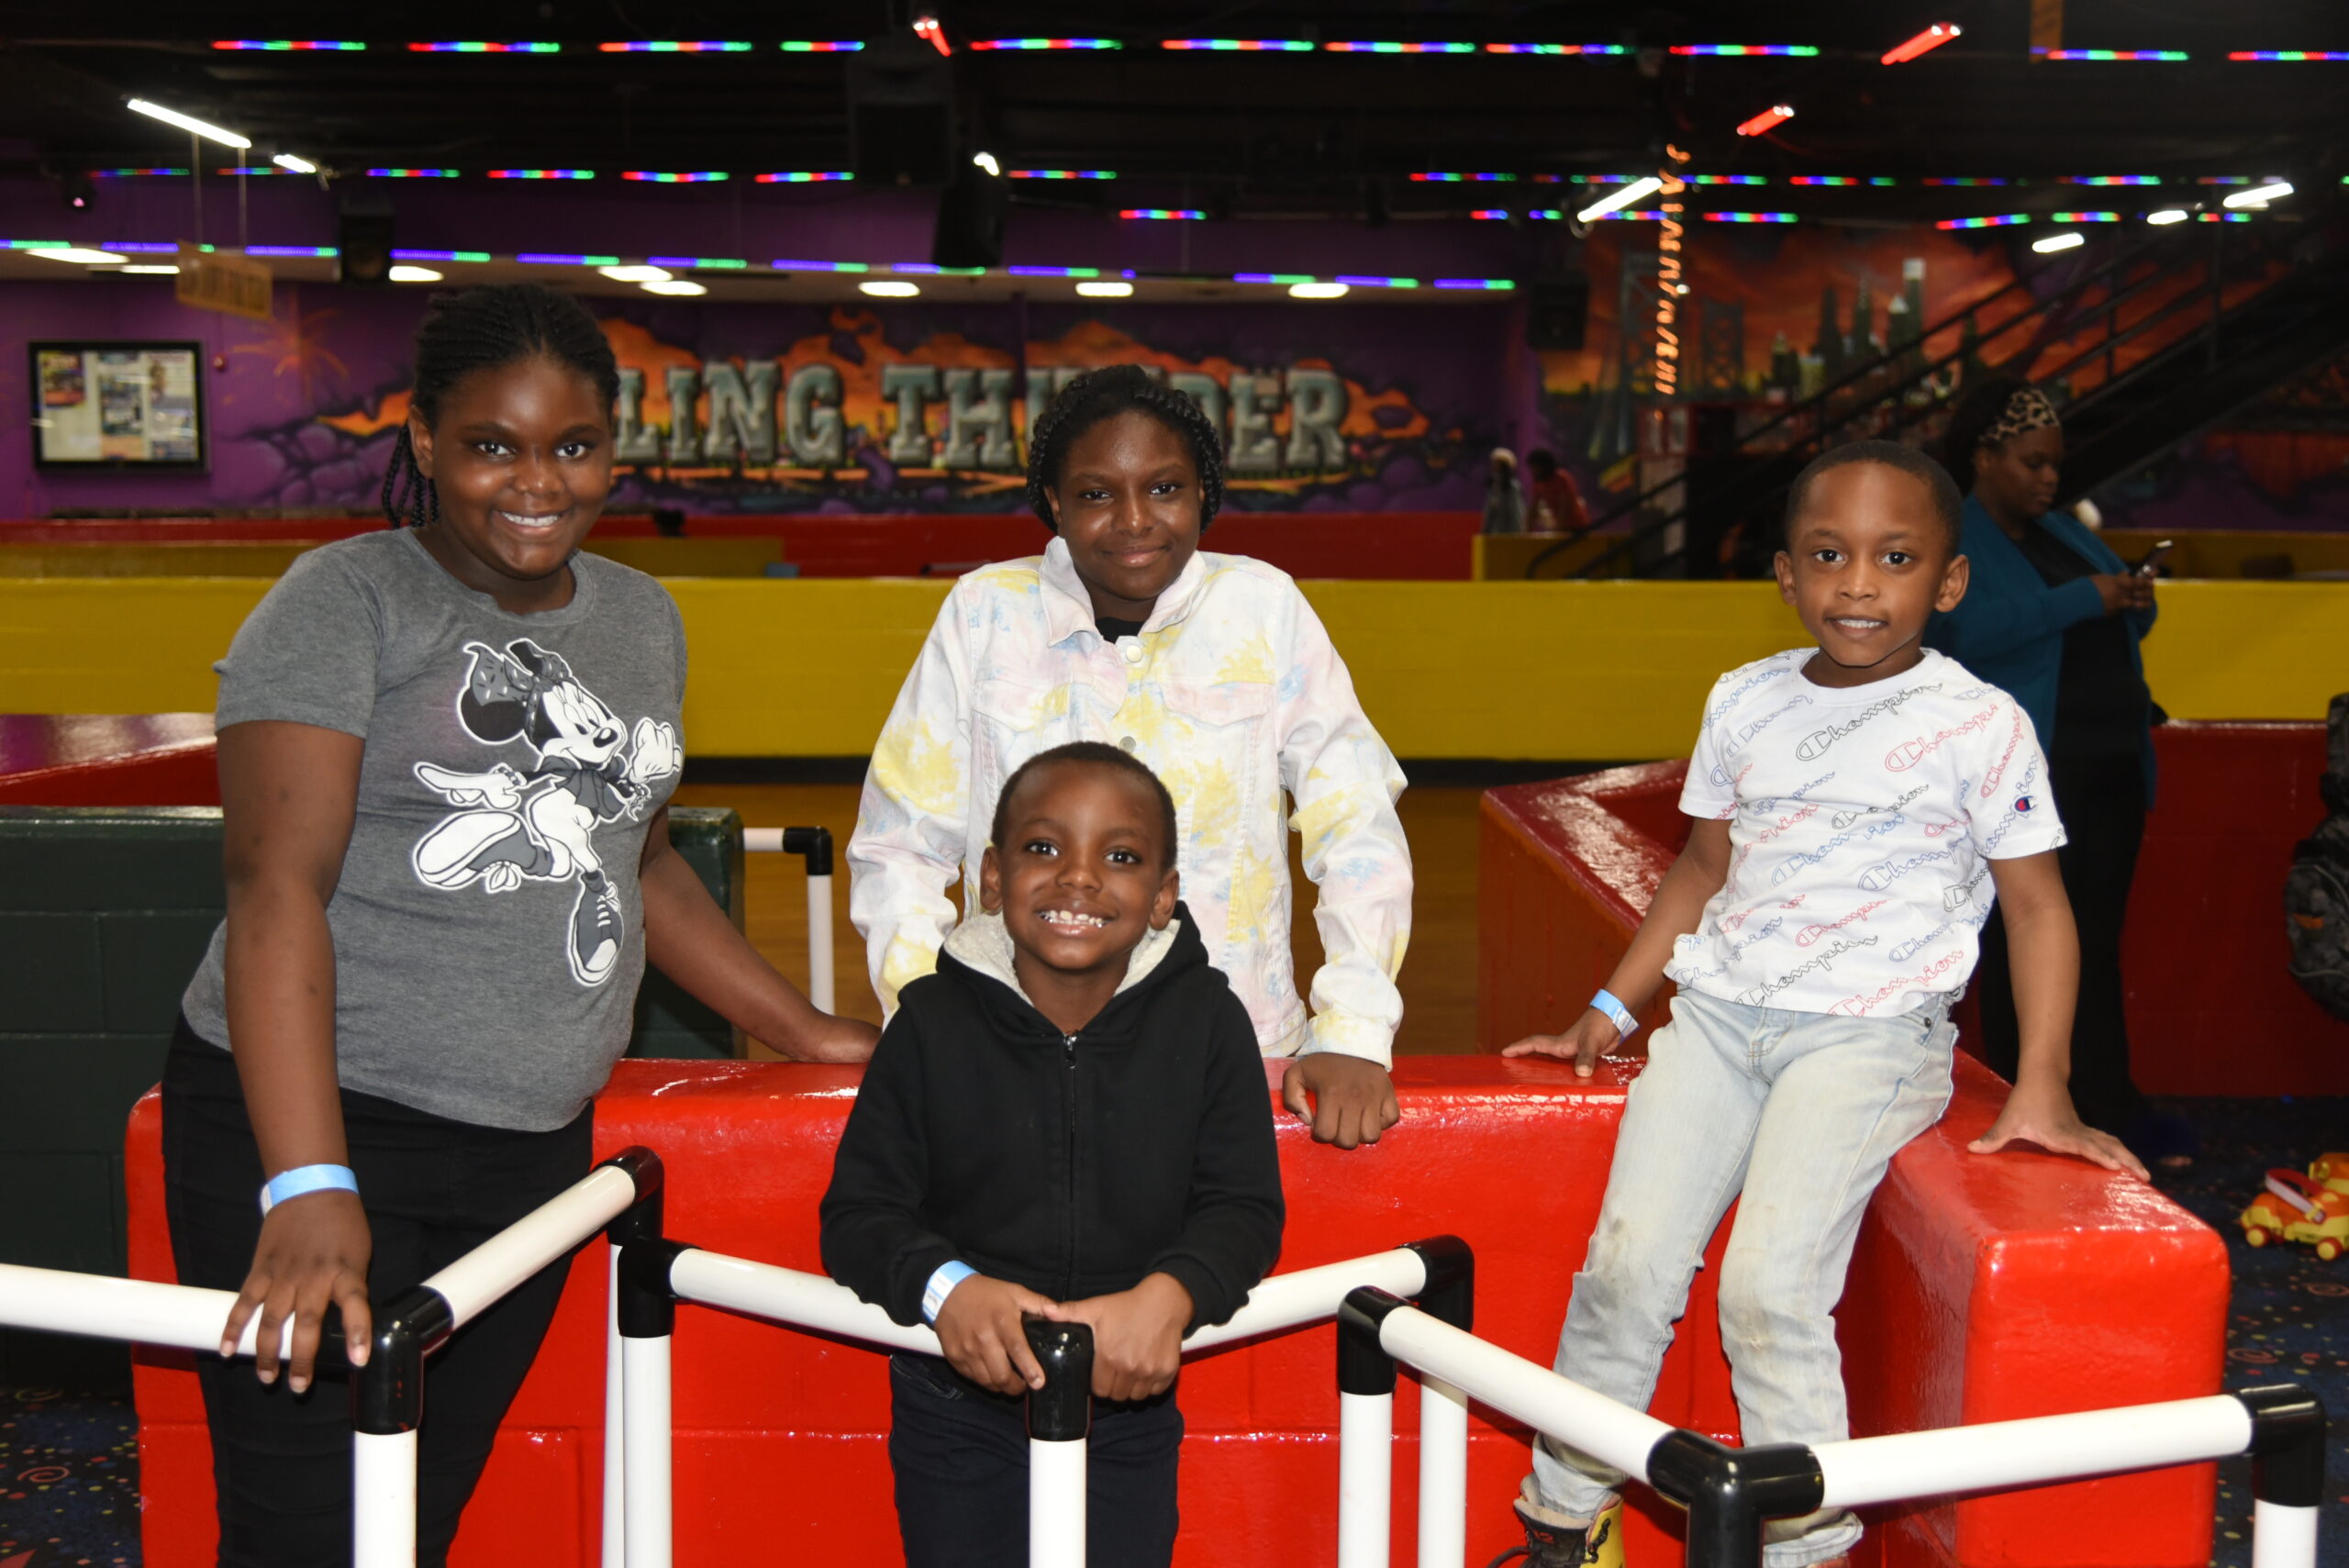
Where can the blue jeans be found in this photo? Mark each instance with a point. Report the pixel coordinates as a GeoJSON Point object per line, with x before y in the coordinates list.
{"type": "Point", "coordinates": [1802, 1112]}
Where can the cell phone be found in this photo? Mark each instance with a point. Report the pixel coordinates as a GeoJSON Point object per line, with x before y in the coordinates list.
{"type": "Point", "coordinates": [2154, 556]}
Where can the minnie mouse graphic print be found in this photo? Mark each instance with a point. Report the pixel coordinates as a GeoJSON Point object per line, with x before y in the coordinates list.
{"type": "Point", "coordinates": [1862, 822]}
{"type": "Point", "coordinates": [488, 927]}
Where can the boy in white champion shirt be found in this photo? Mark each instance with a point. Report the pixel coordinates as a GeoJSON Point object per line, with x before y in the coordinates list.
{"type": "Point", "coordinates": [1858, 807]}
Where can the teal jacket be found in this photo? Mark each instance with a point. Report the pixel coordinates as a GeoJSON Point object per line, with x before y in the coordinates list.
{"type": "Point", "coordinates": [2009, 628]}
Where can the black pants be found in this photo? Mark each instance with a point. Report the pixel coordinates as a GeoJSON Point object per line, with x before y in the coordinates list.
{"type": "Point", "coordinates": [2102, 802]}
{"type": "Point", "coordinates": [960, 1458]}
{"type": "Point", "coordinates": [433, 1190]}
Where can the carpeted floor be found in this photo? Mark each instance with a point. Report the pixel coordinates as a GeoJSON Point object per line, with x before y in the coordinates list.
{"type": "Point", "coordinates": [69, 1464]}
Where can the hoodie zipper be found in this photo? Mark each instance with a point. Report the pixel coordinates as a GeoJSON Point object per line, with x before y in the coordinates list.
{"type": "Point", "coordinates": [1068, 1101]}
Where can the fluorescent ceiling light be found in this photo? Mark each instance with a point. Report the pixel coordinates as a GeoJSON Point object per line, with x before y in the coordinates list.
{"type": "Point", "coordinates": [1104, 288]}
{"type": "Point", "coordinates": [209, 131]}
{"type": "Point", "coordinates": [636, 274]}
{"type": "Point", "coordinates": [75, 253]}
{"type": "Point", "coordinates": [2055, 242]}
{"type": "Point", "coordinates": [297, 165]}
{"type": "Point", "coordinates": [2168, 215]}
{"type": "Point", "coordinates": [1621, 197]}
{"type": "Point", "coordinates": [986, 162]}
{"type": "Point", "coordinates": [890, 288]}
{"type": "Point", "coordinates": [1317, 291]}
{"type": "Point", "coordinates": [163, 270]}
{"type": "Point", "coordinates": [2260, 195]}
{"type": "Point", "coordinates": [405, 274]}
{"type": "Point", "coordinates": [674, 285]}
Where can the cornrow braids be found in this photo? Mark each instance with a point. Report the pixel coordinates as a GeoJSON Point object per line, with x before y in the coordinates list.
{"type": "Point", "coordinates": [1105, 394]}
{"type": "Point", "coordinates": [483, 329]}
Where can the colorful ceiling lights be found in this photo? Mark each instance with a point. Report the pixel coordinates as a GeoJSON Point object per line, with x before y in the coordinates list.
{"type": "Point", "coordinates": [1053, 271]}
{"type": "Point", "coordinates": [2289, 54]}
{"type": "Point", "coordinates": [1749, 218]}
{"type": "Point", "coordinates": [676, 177]}
{"type": "Point", "coordinates": [563, 259]}
{"type": "Point", "coordinates": [1776, 115]}
{"type": "Point", "coordinates": [134, 173]}
{"type": "Point", "coordinates": [1062, 174]}
{"type": "Point", "coordinates": [484, 47]}
{"type": "Point", "coordinates": [805, 177]}
{"type": "Point", "coordinates": [1362, 47]}
{"type": "Point", "coordinates": [822, 266]}
{"type": "Point", "coordinates": [1447, 177]}
{"type": "Point", "coordinates": [2112, 179]}
{"type": "Point", "coordinates": [1492, 283]}
{"type": "Point", "coordinates": [411, 174]}
{"type": "Point", "coordinates": [280, 46]}
{"type": "Point", "coordinates": [1246, 46]}
{"type": "Point", "coordinates": [1556, 48]}
{"type": "Point", "coordinates": [1489, 212]}
{"type": "Point", "coordinates": [1733, 50]}
{"type": "Point", "coordinates": [1046, 44]}
{"type": "Point", "coordinates": [1932, 39]}
{"type": "Point", "coordinates": [820, 46]}
{"type": "Point", "coordinates": [701, 264]}
{"type": "Point", "coordinates": [2003, 220]}
{"type": "Point", "coordinates": [672, 46]}
{"type": "Point", "coordinates": [1184, 214]}
{"type": "Point", "coordinates": [1841, 180]}
{"type": "Point", "coordinates": [542, 173]}
{"type": "Point", "coordinates": [313, 253]}
{"type": "Point", "coordinates": [2084, 216]}
{"type": "Point", "coordinates": [2107, 54]}
{"type": "Point", "coordinates": [1970, 181]}
{"type": "Point", "coordinates": [441, 256]}
{"type": "Point", "coordinates": [1731, 180]}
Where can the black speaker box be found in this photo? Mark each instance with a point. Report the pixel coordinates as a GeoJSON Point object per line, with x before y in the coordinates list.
{"type": "Point", "coordinates": [970, 219]}
{"type": "Point", "coordinates": [1557, 313]}
{"type": "Point", "coordinates": [900, 113]}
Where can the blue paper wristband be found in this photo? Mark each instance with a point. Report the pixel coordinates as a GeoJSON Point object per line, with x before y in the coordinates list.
{"type": "Point", "coordinates": [941, 1285]}
{"type": "Point", "coordinates": [306, 1179]}
{"type": "Point", "coordinates": [1612, 1006]}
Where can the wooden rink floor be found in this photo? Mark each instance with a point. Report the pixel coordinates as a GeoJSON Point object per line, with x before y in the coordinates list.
{"type": "Point", "coordinates": [1439, 977]}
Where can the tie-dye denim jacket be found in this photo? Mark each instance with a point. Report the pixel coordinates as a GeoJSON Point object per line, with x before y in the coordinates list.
{"type": "Point", "coordinates": [1232, 694]}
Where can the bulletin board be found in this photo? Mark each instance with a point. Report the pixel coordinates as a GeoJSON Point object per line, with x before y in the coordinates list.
{"type": "Point", "coordinates": [118, 405]}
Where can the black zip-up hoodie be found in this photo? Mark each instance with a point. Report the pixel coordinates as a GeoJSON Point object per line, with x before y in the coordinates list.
{"type": "Point", "coordinates": [1073, 1164]}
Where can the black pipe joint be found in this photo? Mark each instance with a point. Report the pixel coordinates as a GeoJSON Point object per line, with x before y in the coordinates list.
{"type": "Point", "coordinates": [2288, 1429]}
{"type": "Point", "coordinates": [639, 1221]}
{"type": "Point", "coordinates": [816, 843]}
{"type": "Point", "coordinates": [1061, 1411]}
{"type": "Point", "coordinates": [387, 1394]}
{"type": "Point", "coordinates": [1363, 1365]}
{"type": "Point", "coordinates": [646, 1306]}
{"type": "Point", "coordinates": [1730, 1490]}
{"type": "Point", "coordinates": [1450, 1294]}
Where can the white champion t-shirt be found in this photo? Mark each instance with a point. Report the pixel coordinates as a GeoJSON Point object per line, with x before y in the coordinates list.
{"type": "Point", "coordinates": [1861, 821]}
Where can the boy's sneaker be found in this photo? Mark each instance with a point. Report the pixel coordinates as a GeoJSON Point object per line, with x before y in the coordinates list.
{"type": "Point", "coordinates": [1552, 1540]}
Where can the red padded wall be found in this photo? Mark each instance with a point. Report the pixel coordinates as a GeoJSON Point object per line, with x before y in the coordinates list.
{"type": "Point", "coordinates": [1984, 1288]}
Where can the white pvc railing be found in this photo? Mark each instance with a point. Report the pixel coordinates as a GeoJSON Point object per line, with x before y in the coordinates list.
{"type": "Point", "coordinates": [815, 845]}
{"type": "Point", "coordinates": [647, 1281]}
{"type": "Point", "coordinates": [1729, 1492]}
{"type": "Point", "coordinates": [387, 1393]}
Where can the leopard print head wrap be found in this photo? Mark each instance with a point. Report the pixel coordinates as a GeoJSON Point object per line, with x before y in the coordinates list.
{"type": "Point", "coordinates": [2027, 410]}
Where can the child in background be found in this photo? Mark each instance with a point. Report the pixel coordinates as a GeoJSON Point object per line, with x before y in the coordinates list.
{"type": "Point", "coordinates": [1858, 807]}
{"type": "Point", "coordinates": [1214, 671]}
{"type": "Point", "coordinates": [1066, 1120]}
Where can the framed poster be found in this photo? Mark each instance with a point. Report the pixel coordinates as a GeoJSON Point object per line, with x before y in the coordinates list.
{"type": "Point", "coordinates": [123, 405]}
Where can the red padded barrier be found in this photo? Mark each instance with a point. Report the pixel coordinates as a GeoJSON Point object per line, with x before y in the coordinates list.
{"type": "Point", "coordinates": [1436, 545]}
{"type": "Point", "coordinates": [1984, 1288]}
{"type": "Point", "coordinates": [149, 758]}
{"type": "Point", "coordinates": [1565, 871]}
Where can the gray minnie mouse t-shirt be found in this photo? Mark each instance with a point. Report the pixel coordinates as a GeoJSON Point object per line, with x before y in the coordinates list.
{"type": "Point", "coordinates": [489, 929]}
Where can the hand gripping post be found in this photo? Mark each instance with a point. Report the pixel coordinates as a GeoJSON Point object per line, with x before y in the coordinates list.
{"type": "Point", "coordinates": [1060, 1419]}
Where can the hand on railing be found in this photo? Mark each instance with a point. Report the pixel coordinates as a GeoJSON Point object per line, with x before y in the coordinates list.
{"type": "Point", "coordinates": [313, 1254]}
{"type": "Point", "coordinates": [1137, 1336]}
{"type": "Point", "coordinates": [982, 1331]}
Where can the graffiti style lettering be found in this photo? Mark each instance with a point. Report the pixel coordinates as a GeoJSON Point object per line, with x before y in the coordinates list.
{"type": "Point", "coordinates": [685, 386]}
{"type": "Point", "coordinates": [978, 420]}
{"type": "Point", "coordinates": [1252, 446]}
{"type": "Point", "coordinates": [912, 387]}
{"type": "Point", "coordinates": [742, 411]}
{"type": "Point", "coordinates": [812, 426]}
{"type": "Point", "coordinates": [632, 439]}
{"type": "Point", "coordinates": [1317, 400]}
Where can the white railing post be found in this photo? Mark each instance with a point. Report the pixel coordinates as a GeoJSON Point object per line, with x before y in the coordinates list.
{"type": "Point", "coordinates": [1060, 1419]}
{"type": "Point", "coordinates": [1365, 1441]}
{"type": "Point", "coordinates": [386, 1409]}
{"type": "Point", "coordinates": [382, 1499]}
{"type": "Point", "coordinates": [645, 1321]}
{"type": "Point", "coordinates": [2287, 1432]}
{"type": "Point", "coordinates": [645, 1439]}
{"type": "Point", "coordinates": [815, 844]}
{"type": "Point", "coordinates": [615, 1552]}
{"type": "Point", "coordinates": [1444, 1474]}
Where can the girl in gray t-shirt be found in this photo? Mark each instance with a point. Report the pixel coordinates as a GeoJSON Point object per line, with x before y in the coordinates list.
{"type": "Point", "coordinates": [446, 751]}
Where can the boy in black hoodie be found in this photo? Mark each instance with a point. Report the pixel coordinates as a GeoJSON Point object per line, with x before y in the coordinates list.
{"type": "Point", "coordinates": [1069, 1120]}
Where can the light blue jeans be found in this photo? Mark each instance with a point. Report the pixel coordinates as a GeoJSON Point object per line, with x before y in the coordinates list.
{"type": "Point", "coordinates": [1801, 1111]}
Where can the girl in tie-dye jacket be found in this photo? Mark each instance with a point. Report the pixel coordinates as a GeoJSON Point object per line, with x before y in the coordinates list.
{"type": "Point", "coordinates": [1212, 668]}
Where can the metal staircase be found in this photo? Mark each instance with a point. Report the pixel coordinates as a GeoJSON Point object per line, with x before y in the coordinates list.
{"type": "Point", "coordinates": [2157, 338]}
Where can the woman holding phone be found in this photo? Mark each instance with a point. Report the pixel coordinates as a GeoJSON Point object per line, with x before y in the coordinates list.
{"type": "Point", "coordinates": [2054, 617]}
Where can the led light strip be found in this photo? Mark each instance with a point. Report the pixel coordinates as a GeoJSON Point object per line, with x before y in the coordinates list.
{"type": "Point", "coordinates": [1779, 50]}
{"type": "Point", "coordinates": [706, 263]}
{"type": "Point", "coordinates": [1359, 47]}
{"type": "Point", "coordinates": [411, 174]}
{"type": "Point", "coordinates": [674, 45]}
{"type": "Point", "coordinates": [2111, 180]}
{"type": "Point", "coordinates": [142, 247]}
{"type": "Point", "coordinates": [1250, 46]}
{"type": "Point", "coordinates": [562, 258]}
{"type": "Point", "coordinates": [1733, 179]}
{"type": "Point", "coordinates": [249, 171]}
{"type": "Point", "coordinates": [1446, 177]}
{"type": "Point", "coordinates": [1060, 272]}
{"type": "Point", "coordinates": [1045, 43]}
{"type": "Point", "coordinates": [313, 252]}
{"type": "Point", "coordinates": [1185, 214]}
{"type": "Point", "coordinates": [805, 177]}
{"type": "Point", "coordinates": [478, 47]}
{"type": "Point", "coordinates": [818, 45]}
{"type": "Point", "coordinates": [277, 46]}
{"type": "Point", "coordinates": [1968, 180]}
{"type": "Point", "coordinates": [820, 266]}
{"type": "Point", "coordinates": [2289, 54]}
{"type": "Point", "coordinates": [542, 173]}
{"type": "Point", "coordinates": [442, 255]}
{"type": "Point", "coordinates": [2107, 54]}
{"type": "Point", "coordinates": [1600, 49]}
{"type": "Point", "coordinates": [135, 174]}
{"type": "Point", "coordinates": [1748, 217]}
{"type": "Point", "coordinates": [665, 177]}
{"type": "Point", "coordinates": [1062, 174]}
{"type": "Point", "coordinates": [2085, 218]}
{"type": "Point", "coordinates": [2002, 221]}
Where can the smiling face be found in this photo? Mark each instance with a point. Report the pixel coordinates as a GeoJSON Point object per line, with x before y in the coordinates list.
{"type": "Point", "coordinates": [1127, 504]}
{"type": "Point", "coordinates": [520, 455]}
{"type": "Point", "coordinates": [1867, 560]}
{"type": "Point", "coordinates": [1081, 873]}
{"type": "Point", "coordinates": [2016, 479]}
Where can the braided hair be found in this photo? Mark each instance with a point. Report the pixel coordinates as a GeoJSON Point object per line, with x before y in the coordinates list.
{"type": "Point", "coordinates": [478, 330]}
{"type": "Point", "coordinates": [1105, 394]}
